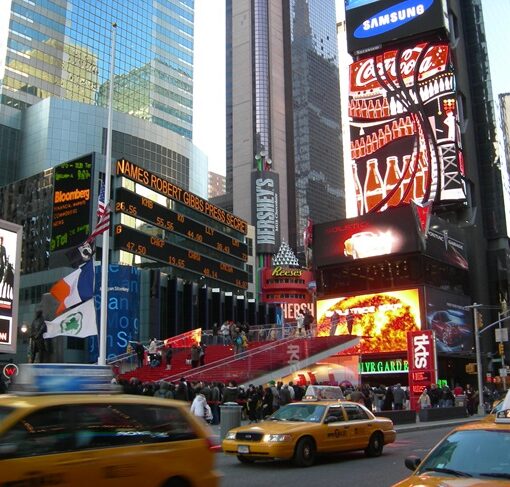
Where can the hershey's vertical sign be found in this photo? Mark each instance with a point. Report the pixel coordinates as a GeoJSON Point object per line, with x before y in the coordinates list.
{"type": "Point", "coordinates": [265, 191]}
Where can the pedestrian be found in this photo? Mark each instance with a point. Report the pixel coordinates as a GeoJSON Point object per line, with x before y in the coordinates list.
{"type": "Point", "coordinates": [267, 403]}
{"type": "Point", "coordinates": [140, 353]}
{"type": "Point", "coordinates": [201, 354]}
{"type": "Point", "coordinates": [424, 400]}
{"type": "Point", "coordinates": [307, 323]}
{"type": "Point", "coordinates": [399, 397]}
{"type": "Point", "coordinates": [200, 408]}
{"type": "Point", "coordinates": [225, 333]}
{"type": "Point", "coordinates": [168, 356]}
{"type": "Point", "coordinates": [252, 403]}
{"type": "Point", "coordinates": [299, 324]}
{"type": "Point", "coordinates": [231, 392]}
{"type": "Point", "coordinates": [387, 404]}
{"type": "Point", "coordinates": [215, 331]}
{"type": "Point", "coordinates": [195, 355]}
{"type": "Point", "coordinates": [333, 323]}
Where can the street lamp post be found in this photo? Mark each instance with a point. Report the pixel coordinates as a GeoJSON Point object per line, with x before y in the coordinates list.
{"type": "Point", "coordinates": [481, 408]}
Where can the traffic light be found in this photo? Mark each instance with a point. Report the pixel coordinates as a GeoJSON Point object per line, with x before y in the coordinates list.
{"type": "Point", "coordinates": [471, 368]}
{"type": "Point", "coordinates": [478, 320]}
{"type": "Point", "coordinates": [501, 348]}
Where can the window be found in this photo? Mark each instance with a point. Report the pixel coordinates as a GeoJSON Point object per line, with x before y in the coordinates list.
{"type": "Point", "coordinates": [337, 413]}
{"type": "Point", "coordinates": [355, 413]}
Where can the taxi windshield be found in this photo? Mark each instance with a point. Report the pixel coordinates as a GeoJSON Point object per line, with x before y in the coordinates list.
{"type": "Point", "coordinates": [471, 453]}
{"type": "Point", "coordinates": [4, 412]}
{"type": "Point", "coordinates": [311, 413]}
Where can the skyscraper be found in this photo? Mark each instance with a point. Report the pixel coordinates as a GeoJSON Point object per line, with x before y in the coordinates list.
{"type": "Point", "coordinates": [283, 106]}
{"type": "Point", "coordinates": [62, 50]}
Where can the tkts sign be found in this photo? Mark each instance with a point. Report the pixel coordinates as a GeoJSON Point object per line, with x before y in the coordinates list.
{"type": "Point", "coordinates": [405, 136]}
{"type": "Point", "coordinates": [421, 353]}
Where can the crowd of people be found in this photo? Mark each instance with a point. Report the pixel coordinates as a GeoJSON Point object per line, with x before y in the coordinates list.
{"type": "Point", "coordinates": [260, 401]}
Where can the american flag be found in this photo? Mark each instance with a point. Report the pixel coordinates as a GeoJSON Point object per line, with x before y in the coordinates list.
{"type": "Point", "coordinates": [103, 215]}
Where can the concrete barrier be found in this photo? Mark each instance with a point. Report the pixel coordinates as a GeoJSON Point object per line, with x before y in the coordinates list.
{"type": "Point", "coordinates": [402, 416]}
{"type": "Point", "coordinates": [438, 414]}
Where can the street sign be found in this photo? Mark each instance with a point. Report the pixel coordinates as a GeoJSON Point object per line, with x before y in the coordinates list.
{"type": "Point", "coordinates": [501, 334]}
{"type": "Point", "coordinates": [503, 372]}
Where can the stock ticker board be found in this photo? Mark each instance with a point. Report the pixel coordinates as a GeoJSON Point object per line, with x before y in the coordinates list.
{"type": "Point", "coordinates": [151, 212]}
{"type": "Point", "coordinates": [155, 248]}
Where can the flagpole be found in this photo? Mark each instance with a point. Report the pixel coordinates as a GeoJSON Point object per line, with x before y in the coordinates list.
{"type": "Point", "coordinates": [106, 235]}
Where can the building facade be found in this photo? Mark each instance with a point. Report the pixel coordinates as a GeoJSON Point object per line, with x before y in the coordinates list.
{"type": "Point", "coordinates": [283, 108]}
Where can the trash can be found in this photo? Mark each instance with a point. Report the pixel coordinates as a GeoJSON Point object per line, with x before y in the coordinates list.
{"type": "Point", "coordinates": [230, 414]}
{"type": "Point", "coordinates": [460, 401]}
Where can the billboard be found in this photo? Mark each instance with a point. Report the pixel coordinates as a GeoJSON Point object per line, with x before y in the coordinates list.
{"type": "Point", "coordinates": [447, 318]}
{"type": "Point", "coordinates": [405, 135]}
{"type": "Point", "coordinates": [72, 194]}
{"type": "Point", "coordinates": [10, 258]}
{"type": "Point", "coordinates": [123, 319]}
{"type": "Point", "coordinates": [372, 24]}
{"type": "Point", "coordinates": [381, 319]}
{"type": "Point", "coordinates": [391, 232]}
{"type": "Point", "coordinates": [266, 215]}
{"type": "Point", "coordinates": [422, 363]}
{"type": "Point", "coordinates": [446, 242]}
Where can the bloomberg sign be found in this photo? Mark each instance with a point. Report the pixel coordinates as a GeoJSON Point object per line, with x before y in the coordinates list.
{"type": "Point", "coordinates": [266, 216]}
{"type": "Point", "coordinates": [372, 25]}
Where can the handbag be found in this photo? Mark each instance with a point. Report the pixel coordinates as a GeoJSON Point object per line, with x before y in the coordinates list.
{"type": "Point", "coordinates": [188, 361]}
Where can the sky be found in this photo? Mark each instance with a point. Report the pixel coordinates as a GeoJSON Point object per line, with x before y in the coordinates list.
{"type": "Point", "coordinates": [209, 88]}
{"type": "Point", "coordinates": [209, 84]}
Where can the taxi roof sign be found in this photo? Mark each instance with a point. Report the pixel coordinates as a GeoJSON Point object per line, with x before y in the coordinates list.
{"type": "Point", "coordinates": [323, 393]}
{"type": "Point", "coordinates": [503, 415]}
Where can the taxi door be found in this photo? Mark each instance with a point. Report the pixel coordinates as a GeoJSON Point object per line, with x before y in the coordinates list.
{"type": "Point", "coordinates": [335, 430]}
{"type": "Point", "coordinates": [360, 426]}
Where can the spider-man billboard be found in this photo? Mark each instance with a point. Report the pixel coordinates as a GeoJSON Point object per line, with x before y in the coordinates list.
{"type": "Point", "coordinates": [405, 136]}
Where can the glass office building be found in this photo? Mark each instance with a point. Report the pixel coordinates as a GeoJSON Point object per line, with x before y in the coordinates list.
{"type": "Point", "coordinates": [62, 49]}
{"type": "Point", "coordinates": [283, 98]}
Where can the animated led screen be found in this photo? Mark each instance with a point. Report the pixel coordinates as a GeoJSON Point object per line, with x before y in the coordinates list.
{"type": "Point", "coordinates": [382, 319]}
{"type": "Point", "coordinates": [405, 136]}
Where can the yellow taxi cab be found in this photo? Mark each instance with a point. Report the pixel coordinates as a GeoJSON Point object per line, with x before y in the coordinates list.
{"type": "Point", "coordinates": [321, 423]}
{"type": "Point", "coordinates": [99, 439]}
{"type": "Point", "coordinates": [473, 455]}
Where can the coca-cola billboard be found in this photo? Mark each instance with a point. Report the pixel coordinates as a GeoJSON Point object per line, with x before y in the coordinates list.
{"type": "Point", "coordinates": [421, 353]}
{"type": "Point", "coordinates": [405, 136]}
{"type": "Point", "coordinates": [371, 25]}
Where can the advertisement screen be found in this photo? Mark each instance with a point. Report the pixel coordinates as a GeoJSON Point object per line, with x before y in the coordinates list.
{"type": "Point", "coordinates": [405, 136]}
{"type": "Point", "coordinates": [10, 257]}
{"type": "Point", "coordinates": [447, 318]}
{"type": "Point", "coordinates": [382, 319]}
{"type": "Point", "coordinates": [445, 242]}
{"type": "Point", "coordinates": [371, 24]}
{"type": "Point", "coordinates": [72, 195]}
{"type": "Point", "coordinates": [367, 236]}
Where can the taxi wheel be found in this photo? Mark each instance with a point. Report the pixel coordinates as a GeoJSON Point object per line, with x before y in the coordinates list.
{"type": "Point", "coordinates": [375, 445]}
{"type": "Point", "coordinates": [177, 482]}
{"type": "Point", "coordinates": [304, 455]}
{"type": "Point", "coordinates": [244, 459]}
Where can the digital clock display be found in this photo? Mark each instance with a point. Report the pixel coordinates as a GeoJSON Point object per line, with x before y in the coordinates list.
{"type": "Point", "coordinates": [147, 210]}
{"type": "Point", "coordinates": [136, 242]}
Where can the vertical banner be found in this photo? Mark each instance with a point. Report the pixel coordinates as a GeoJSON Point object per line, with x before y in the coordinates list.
{"type": "Point", "coordinates": [266, 187]}
{"type": "Point", "coordinates": [405, 136]}
{"type": "Point", "coordinates": [72, 192]}
{"type": "Point", "coordinates": [10, 258]}
{"type": "Point", "coordinates": [123, 323]}
{"type": "Point", "coordinates": [421, 355]}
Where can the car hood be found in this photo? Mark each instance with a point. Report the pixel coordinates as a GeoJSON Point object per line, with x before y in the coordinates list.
{"type": "Point", "coordinates": [439, 481]}
{"type": "Point", "coordinates": [275, 427]}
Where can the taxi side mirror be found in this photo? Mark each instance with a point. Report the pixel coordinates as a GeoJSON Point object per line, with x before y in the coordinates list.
{"type": "Point", "coordinates": [412, 462]}
{"type": "Point", "coordinates": [8, 449]}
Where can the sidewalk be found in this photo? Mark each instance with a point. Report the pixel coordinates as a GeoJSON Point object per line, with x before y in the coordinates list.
{"type": "Point", "coordinates": [400, 428]}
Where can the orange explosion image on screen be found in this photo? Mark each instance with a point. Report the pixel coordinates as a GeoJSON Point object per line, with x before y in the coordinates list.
{"type": "Point", "coordinates": [381, 320]}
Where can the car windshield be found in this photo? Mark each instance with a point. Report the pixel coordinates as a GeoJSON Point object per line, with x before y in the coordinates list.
{"type": "Point", "coordinates": [4, 412]}
{"type": "Point", "coordinates": [476, 453]}
{"type": "Point", "coordinates": [299, 412]}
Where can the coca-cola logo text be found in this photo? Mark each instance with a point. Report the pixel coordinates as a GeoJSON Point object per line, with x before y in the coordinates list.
{"type": "Point", "coordinates": [363, 73]}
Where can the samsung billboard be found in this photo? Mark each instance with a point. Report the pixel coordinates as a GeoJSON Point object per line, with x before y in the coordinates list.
{"type": "Point", "coordinates": [372, 25]}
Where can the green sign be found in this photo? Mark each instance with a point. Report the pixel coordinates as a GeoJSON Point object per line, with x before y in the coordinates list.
{"type": "Point", "coordinates": [397, 366]}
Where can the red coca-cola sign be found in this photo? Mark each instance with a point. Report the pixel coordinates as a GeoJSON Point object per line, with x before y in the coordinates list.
{"type": "Point", "coordinates": [421, 353]}
{"type": "Point", "coordinates": [367, 73]}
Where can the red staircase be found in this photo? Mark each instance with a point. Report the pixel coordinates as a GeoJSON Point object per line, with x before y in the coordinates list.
{"type": "Point", "coordinates": [261, 359]}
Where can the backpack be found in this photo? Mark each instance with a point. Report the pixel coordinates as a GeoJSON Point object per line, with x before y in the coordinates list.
{"type": "Point", "coordinates": [239, 340]}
